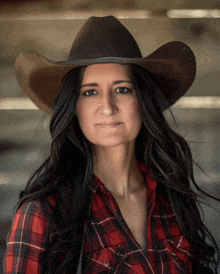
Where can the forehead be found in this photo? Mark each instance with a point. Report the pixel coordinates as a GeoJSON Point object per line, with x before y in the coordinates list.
{"type": "Point", "coordinates": [104, 71]}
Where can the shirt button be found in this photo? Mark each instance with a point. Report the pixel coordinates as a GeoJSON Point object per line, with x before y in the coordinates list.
{"type": "Point", "coordinates": [106, 263]}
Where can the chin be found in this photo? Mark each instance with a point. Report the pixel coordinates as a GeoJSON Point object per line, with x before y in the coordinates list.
{"type": "Point", "coordinates": [111, 142]}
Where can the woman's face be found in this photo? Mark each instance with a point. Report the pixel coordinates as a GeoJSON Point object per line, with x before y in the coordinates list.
{"type": "Point", "coordinates": [107, 96]}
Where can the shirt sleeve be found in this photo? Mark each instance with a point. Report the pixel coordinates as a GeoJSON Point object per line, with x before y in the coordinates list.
{"type": "Point", "coordinates": [25, 240]}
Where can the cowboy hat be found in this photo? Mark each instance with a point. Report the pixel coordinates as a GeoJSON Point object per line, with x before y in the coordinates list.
{"type": "Point", "coordinates": [106, 40]}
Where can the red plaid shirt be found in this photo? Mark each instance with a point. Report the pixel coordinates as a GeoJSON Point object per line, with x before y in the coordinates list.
{"type": "Point", "coordinates": [110, 247]}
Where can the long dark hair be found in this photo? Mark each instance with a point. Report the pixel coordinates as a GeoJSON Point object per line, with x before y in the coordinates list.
{"type": "Point", "coordinates": [67, 173]}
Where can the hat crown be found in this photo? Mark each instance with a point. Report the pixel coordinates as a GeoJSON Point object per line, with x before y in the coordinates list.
{"type": "Point", "coordinates": [103, 37]}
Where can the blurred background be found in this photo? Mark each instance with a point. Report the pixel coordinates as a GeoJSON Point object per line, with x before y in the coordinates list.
{"type": "Point", "coordinates": [49, 28]}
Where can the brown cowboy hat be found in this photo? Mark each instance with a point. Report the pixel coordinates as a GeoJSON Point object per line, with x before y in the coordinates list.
{"type": "Point", "coordinates": [106, 40]}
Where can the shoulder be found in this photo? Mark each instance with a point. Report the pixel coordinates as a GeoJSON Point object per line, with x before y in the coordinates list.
{"type": "Point", "coordinates": [30, 217]}
{"type": "Point", "coordinates": [29, 208]}
{"type": "Point", "coordinates": [28, 220]}
{"type": "Point", "coordinates": [33, 211]}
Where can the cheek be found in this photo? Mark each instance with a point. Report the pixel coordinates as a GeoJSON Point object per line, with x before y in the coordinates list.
{"type": "Point", "coordinates": [80, 113]}
{"type": "Point", "coordinates": [84, 117]}
{"type": "Point", "coordinates": [134, 110]}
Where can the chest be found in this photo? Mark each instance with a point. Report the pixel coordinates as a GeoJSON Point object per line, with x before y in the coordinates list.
{"type": "Point", "coordinates": [109, 248]}
{"type": "Point", "coordinates": [134, 212]}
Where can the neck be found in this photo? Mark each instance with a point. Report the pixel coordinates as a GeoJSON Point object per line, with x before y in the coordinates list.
{"type": "Point", "coordinates": [117, 168]}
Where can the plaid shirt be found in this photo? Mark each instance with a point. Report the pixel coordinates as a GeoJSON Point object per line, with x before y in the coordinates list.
{"type": "Point", "coordinates": [110, 247]}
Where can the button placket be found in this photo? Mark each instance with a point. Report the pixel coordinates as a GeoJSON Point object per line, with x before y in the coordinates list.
{"type": "Point", "coordinates": [126, 228]}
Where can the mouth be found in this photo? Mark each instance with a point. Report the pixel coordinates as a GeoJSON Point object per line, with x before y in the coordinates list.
{"type": "Point", "coordinates": [109, 124]}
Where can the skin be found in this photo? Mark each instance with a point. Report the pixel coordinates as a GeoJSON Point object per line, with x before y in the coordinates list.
{"type": "Point", "coordinates": [107, 95]}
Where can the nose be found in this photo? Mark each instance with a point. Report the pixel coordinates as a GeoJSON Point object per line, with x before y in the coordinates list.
{"type": "Point", "coordinates": [108, 106]}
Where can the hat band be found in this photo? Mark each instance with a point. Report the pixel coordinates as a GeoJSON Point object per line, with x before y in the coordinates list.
{"type": "Point", "coordinates": [84, 62]}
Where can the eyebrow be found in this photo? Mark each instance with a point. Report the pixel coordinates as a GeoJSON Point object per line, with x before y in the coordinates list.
{"type": "Point", "coordinates": [115, 83]}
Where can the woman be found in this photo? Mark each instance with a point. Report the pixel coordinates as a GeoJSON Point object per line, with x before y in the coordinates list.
{"type": "Point", "coordinates": [115, 194]}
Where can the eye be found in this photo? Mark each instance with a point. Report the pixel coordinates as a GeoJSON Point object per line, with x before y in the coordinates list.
{"type": "Point", "coordinates": [123, 90]}
{"type": "Point", "coordinates": [88, 92]}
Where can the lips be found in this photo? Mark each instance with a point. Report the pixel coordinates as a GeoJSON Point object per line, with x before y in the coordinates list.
{"type": "Point", "coordinates": [109, 124]}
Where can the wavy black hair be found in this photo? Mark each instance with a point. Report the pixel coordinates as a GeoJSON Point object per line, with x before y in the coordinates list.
{"type": "Point", "coordinates": [67, 173]}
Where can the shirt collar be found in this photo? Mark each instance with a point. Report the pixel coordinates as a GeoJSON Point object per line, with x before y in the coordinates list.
{"type": "Point", "coordinates": [96, 183]}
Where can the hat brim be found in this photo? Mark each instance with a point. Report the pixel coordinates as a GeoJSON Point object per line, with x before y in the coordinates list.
{"type": "Point", "coordinates": [172, 66]}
